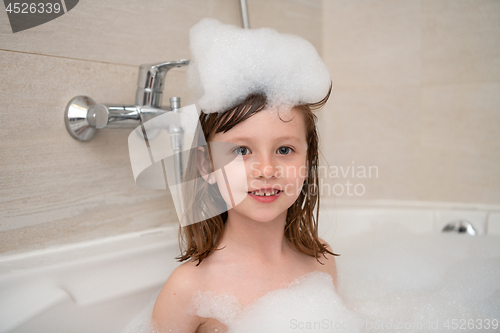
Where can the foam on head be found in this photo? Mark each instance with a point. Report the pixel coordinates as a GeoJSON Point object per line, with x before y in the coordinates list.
{"type": "Point", "coordinates": [229, 63]}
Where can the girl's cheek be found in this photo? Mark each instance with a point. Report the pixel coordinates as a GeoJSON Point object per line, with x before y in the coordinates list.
{"type": "Point", "coordinates": [251, 168]}
{"type": "Point", "coordinates": [295, 179]}
{"type": "Point", "coordinates": [300, 168]}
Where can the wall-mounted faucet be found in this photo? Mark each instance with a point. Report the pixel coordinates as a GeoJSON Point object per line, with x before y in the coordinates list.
{"type": "Point", "coordinates": [461, 227]}
{"type": "Point", "coordinates": [83, 116]}
{"type": "Point", "coordinates": [150, 82]}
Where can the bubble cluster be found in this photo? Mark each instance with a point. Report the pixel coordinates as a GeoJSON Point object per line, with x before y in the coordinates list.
{"type": "Point", "coordinates": [388, 277]}
{"type": "Point", "coordinates": [222, 307]}
{"type": "Point", "coordinates": [229, 63]}
{"type": "Point", "coordinates": [392, 276]}
{"type": "Point", "coordinates": [310, 303]}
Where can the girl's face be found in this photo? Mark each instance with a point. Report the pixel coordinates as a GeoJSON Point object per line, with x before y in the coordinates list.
{"type": "Point", "coordinates": [274, 152]}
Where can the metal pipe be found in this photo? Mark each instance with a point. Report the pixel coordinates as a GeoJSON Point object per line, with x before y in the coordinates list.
{"type": "Point", "coordinates": [244, 14]}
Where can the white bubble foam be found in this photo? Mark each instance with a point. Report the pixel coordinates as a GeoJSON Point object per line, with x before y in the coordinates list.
{"type": "Point", "coordinates": [229, 63]}
{"type": "Point", "coordinates": [309, 302]}
{"type": "Point", "coordinates": [392, 275]}
{"type": "Point", "coordinates": [387, 275]}
{"type": "Point", "coordinates": [222, 307]}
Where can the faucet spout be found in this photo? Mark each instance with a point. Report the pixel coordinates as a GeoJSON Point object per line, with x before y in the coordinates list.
{"type": "Point", "coordinates": [150, 82]}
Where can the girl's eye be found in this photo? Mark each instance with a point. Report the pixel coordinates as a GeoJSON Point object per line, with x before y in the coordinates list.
{"type": "Point", "coordinates": [284, 150]}
{"type": "Point", "coordinates": [242, 151]}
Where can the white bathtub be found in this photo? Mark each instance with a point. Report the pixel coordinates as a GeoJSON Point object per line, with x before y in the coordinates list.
{"type": "Point", "coordinates": [95, 286]}
{"type": "Point", "coordinates": [100, 286]}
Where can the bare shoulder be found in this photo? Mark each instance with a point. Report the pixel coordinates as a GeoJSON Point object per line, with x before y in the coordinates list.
{"type": "Point", "coordinates": [171, 310]}
{"type": "Point", "coordinates": [329, 266]}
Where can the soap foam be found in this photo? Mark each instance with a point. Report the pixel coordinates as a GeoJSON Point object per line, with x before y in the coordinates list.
{"type": "Point", "coordinates": [310, 303]}
{"type": "Point", "coordinates": [229, 63]}
{"type": "Point", "coordinates": [391, 275]}
{"type": "Point", "coordinates": [222, 307]}
{"type": "Point", "coordinates": [387, 275]}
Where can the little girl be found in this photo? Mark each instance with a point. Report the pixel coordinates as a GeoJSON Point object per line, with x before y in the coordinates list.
{"type": "Point", "coordinates": [258, 91]}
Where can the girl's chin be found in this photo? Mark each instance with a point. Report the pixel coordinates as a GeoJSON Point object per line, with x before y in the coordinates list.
{"type": "Point", "coordinates": [260, 214]}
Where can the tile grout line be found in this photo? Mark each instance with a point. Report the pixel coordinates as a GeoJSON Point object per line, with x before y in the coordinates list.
{"type": "Point", "coordinates": [67, 58]}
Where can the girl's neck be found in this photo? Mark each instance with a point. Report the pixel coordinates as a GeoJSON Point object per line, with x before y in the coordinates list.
{"type": "Point", "coordinates": [254, 240]}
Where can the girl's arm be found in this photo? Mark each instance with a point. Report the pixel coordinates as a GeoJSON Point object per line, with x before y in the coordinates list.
{"type": "Point", "coordinates": [171, 312]}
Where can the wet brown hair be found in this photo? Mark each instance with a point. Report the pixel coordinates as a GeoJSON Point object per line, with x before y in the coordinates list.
{"type": "Point", "coordinates": [301, 229]}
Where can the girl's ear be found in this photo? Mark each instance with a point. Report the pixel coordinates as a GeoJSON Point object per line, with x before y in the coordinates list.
{"type": "Point", "coordinates": [204, 165]}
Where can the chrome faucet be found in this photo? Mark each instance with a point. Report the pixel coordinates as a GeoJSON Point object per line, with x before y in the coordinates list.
{"type": "Point", "coordinates": [460, 226]}
{"type": "Point", "coordinates": [83, 116]}
{"type": "Point", "coordinates": [150, 82]}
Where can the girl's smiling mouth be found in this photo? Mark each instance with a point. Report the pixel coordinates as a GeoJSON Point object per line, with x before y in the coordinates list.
{"type": "Point", "coordinates": [265, 195]}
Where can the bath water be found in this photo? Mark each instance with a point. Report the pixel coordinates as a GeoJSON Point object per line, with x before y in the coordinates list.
{"type": "Point", "coordinates": [391, 280]}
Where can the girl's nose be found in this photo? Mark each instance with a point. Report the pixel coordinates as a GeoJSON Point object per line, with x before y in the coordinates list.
{"type": "Point", "coordinates": [264, 167]}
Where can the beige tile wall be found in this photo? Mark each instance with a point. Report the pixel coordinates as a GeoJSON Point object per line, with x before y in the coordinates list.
{"type": "Point", "coordinates": [56, 190]}
{"type": "Point", "coordinates": [298, 17]}
{"type": "Point", "coordinates": [416, 92]}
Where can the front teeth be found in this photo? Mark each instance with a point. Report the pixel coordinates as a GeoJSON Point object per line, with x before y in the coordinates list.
{"type": "Point", "coordinates": [264, 194]}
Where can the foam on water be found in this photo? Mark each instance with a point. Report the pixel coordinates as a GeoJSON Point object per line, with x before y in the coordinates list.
{"type": "Point", "coordinates": [229, 63]}
{"type": "Point", "coordinates": [393, 275]}
{"type": "Point", "coordinates": [387, 275]}
{"type": "Point", "coordinates": [309, 302]}
{"type": "Point", "coordinates": [222, 307]}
